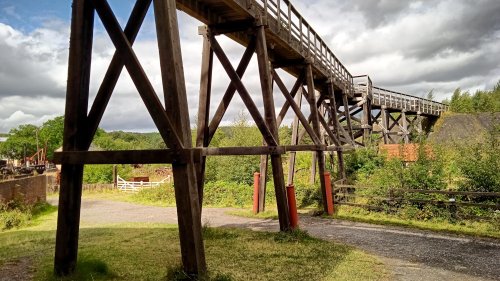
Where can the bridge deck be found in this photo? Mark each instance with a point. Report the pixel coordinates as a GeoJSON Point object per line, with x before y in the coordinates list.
{"type": "Point", "coordinates": [293, 41]}
{"type": "Point", "coordinates": [291, 38]}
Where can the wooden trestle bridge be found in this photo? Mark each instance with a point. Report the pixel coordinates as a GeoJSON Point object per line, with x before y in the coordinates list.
{"type": "Point", "coordinates": [342, 114]}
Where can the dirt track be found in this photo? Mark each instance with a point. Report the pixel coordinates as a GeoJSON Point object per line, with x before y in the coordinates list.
{"type": "Point", "coordinates": [409, 254]}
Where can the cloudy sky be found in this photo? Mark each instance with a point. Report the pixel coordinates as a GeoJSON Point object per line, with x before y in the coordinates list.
{"type": "Point", "coordinates": [408, 46]}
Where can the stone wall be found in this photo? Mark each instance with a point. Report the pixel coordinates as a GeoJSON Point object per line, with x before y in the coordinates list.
{"type": "Point", "coordinates": [30, 190]}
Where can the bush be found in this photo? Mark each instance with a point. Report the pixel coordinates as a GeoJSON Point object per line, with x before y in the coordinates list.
{"type": "Point", "coordinates": [13, 218]}
{"type": "Point", "coordinates": [363, 162]}
{"type": "Point", "coordinates": [104, 173]}
{"type": "Point", "coordinates": [16, 214]}
{"type": "Point", "coordinates": [479, 165]}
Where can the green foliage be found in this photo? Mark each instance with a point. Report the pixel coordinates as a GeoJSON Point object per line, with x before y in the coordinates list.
{"type": "Point", "coordinates": [480, 165]}
{"type": "Point", "coordinates": [120, 140]}
{"type": "Point", "coordinates": [104, 173]}
{"type": "Point", "coordinates": [21, 141]}
{"type": "Point", "coordinates": [481, 101]}
{"type": "Point", "coordinates": [239, 169]}
{"type": "Point", "coordinates": [51, 134]}
{"type": "Point", "coordinates": [15, 213]}
{"type": "Point", "coordinates": [362, 162]}
{"type": "Point", "coordinates": [425, 173]}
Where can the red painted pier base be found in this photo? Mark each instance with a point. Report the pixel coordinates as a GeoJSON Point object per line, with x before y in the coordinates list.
{"type": "Point", "coordinates": [256, 180]}
{"type": "Point", "coordinates": [329, 195]}
{"type": "Point", "coordinates": [292, 207]}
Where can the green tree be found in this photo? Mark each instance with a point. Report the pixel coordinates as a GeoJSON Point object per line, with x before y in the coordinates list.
{"type": "Point", "coordinates": [51, 134]}
{"type": "Point", "coordinates": [21, 142]}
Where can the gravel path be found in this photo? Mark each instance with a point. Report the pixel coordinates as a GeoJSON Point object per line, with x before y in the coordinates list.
{"type": "Point", "coordinates": [409, 254]}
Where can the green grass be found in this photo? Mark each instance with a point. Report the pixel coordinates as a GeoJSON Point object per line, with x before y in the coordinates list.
{"type": "Point", "coordinates": [473, 228]}
{"type": "Point", "coordinates": [479, 229]}
{"type": "Point", "coordinates": [143, 251]}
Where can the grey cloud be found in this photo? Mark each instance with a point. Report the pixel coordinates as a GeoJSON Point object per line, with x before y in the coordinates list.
{"type": "Point", "coordinates": [378, 12]}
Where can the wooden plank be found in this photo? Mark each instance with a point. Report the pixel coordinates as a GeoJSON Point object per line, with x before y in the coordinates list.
{"type": "Point", "coordinates": [295, 107]}
{"type": "Point", "coordinates": [294, 141]}
{"type": "Point", "coordinates": [139, 77]}
{"type": "Point", "coordinates": [316, 125]}
{"type": "Point", "coordinates": [114, 70]}
{"type": "Point", "coordinates": [77, 94]}
{"type": "Point", "coordinates": [284, 109]}
{"type": "Point", "coordinates": [231, 89]}
{"type": "Point", "coordinates": [176, 106]}
{"type": "Point", "coordinates": [154, 156]}
{"type": "Point", "coordinates": [347, 115]}
{"type": "Point", "coordinates": [245, 96]}
{"type": "Point", "coordinates": [270, 117]}
{"type": "Point", "coordinates": [202, 135]}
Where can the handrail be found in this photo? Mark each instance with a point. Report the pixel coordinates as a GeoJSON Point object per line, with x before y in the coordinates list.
{"type": "Point", "coordinates": [393, 99]}
{"type": "Point", "coordinates": [291, 21]}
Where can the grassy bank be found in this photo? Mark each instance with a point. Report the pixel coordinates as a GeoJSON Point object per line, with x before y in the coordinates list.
{"type": "Point", "coordinates": [151, 252]}
{"type": "Point", "coordinates": [480, 229]}
{"type": "Point", "coordinates": [473, 228]}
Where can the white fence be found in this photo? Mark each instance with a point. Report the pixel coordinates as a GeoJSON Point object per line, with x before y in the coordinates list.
{"type": "Point", "coordinates": [134, 186]}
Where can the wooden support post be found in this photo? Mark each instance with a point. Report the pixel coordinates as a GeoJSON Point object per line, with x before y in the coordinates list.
{"type": "Point", "coordinates": [115, 176]}
{"type": "Point", "coordinates": [342, 172]}
{"type": "Point", "coordinates": [347, 114]}
{"type": "Point", "coordinates": [418, 125]}
{"type": "Point", "coordinates": [294, 141]}
{"type": "Point", "coordinates": [77, 94]}
{"type": "Point", "coordinates": [202, 135]}
{"type": "Point", "coordinates": [404, 126]}
{"type": "Point", "coordinates": [316, 126]}
{"type": "Point", "coordinates": [365, 121]}
{"type": "Point", "coordinates": [264, 159]}
{"type": "Point", "coordinates": [384, 123]}
{"type": "Point", "coordinates": [185, 184]}
{"type": "Point", "coordinates": [314, 161]}
{"type": "Point", "coordinates": [270, 118]}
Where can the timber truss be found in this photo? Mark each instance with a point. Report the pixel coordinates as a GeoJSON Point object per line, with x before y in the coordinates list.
{"type": "Point", "coordinates": [273, 30]}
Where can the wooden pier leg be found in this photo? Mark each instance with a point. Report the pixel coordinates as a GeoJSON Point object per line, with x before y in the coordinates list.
{"type": "Point", "coordinates": [270, 117]}
{"type": "Point", "coordinates": [404, 125]}
{"type": "Point", "coordinates": [68, 219]}
{"type": "Point", "coordinates": [314, 161]}
{"type": "Point", "coordinates": [347, 114]}
{"type": "Point", "coordinates": [384, 123]}
{"type": "Point", "coordinates": [185, 183]}
{"type": "Point", "coordinates": [202, 135]}
{"type": "Point", "coordinates": [294, 141]}
{"type": "Point", "coordinates": [366, 124]}
{"type": "Point", "coordinates": [316, 126]}
{"type": "Point", "coordinates": [264, 159]}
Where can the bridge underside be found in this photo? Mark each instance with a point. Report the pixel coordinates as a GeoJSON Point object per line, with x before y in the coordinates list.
{"type": "Point", "coordinates": [337, 118]}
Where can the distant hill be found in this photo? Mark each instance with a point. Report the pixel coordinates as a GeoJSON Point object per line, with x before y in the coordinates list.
{"type": "Point", "coordinates": [463, 127]}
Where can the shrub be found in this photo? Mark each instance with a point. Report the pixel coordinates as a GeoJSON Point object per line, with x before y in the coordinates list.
{"type": "Point", "coordinates": [480, 164]}
{"type": "Point", "coordinates": [363, 162]}
{"type": "Point", "coordinates": [15, 213]}
{"type": "Point", "coordinates": [104, 173]}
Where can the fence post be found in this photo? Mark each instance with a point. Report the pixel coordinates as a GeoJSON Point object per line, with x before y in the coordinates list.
{"type": "Point", "coordinates": [292, 206]}
{"type": "Point", "coordinates": [256, 180]}
{"type": "Point", "coordinates": [329, 196]}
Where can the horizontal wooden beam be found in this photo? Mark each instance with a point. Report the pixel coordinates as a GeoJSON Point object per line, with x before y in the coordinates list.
{"type": "Point", "coordinates": [163, 156]}
{"type": "Point", "coordinates": [154, 156]}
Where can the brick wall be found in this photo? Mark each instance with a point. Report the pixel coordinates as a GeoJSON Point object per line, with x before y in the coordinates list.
{"type": "Point", "coordinates": [31, 190]}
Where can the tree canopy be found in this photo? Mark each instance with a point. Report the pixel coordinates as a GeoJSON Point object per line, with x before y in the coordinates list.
{"type": "Point", "coordinates": [481, 101]}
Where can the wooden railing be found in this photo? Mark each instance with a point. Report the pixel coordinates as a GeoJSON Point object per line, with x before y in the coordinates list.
{"type": "Point", "coordinates": [290, 21]}
{"type": "Point", "coordinates": [348, 195]}
{"type": "Point", "coordinates": [396, 100]}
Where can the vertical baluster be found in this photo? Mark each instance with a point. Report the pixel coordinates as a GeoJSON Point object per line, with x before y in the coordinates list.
{"type": "Point", "coordinates": [300, 34]}
{"type": "Point", "coordinates": [289, 21]}
{"type": "Point", "coordinates": [279, 15]}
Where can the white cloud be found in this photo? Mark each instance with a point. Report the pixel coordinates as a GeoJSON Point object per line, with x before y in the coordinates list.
{"type": "Point", "coordinates": [411, 46]}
